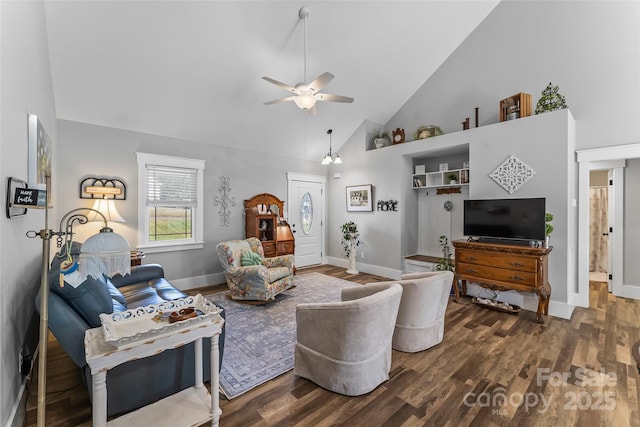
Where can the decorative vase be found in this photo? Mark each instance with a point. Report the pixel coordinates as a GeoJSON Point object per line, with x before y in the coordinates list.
{"type": "Point", "coordinates": [380, 142]}
{"type": "Point", "coordinates": [546, 241]}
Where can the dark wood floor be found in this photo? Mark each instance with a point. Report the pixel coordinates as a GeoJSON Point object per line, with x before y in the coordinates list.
{"type": "Point", "coordinates": [492, 369]}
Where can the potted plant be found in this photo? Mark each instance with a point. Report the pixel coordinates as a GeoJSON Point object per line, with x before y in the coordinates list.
{"type": "Point", "coordinates": [380, 138]}
{"type": "Point", "coordinates": [548, 228]}
{"type": "Point", "coordinates": [350, 240]}
{"type": "Point", "coordinates": [452, 178]}
{"type": "Point", "coordinates": [445, 264]}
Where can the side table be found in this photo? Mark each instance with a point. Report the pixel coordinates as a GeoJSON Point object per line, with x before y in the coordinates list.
{"type": "Point", "coordinates": [203, 406]}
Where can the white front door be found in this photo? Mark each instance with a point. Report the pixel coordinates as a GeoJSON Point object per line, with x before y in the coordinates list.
{"type": "Point", "coordinates": [306, 217]}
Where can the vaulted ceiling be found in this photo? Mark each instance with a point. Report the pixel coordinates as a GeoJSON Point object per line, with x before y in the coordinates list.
{"type": "Point", "coordinates": [192, 69]}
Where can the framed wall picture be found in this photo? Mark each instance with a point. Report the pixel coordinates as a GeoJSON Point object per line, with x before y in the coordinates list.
{"type": "Point", "coordinates": [39, 154]}
{"type": "Point", "coordinates": [359, 198]}
{"type": "Point", "coordinates": [12, 185]}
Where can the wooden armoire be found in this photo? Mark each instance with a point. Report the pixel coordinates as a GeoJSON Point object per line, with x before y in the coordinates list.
{"type": "Point", "coordinates": [263, 219]}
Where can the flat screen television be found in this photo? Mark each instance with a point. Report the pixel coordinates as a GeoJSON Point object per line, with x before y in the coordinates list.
{"type": "Point", "coordinates": [521, 219]}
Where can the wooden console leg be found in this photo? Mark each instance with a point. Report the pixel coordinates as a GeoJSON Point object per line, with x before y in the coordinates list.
{"type": "Point", "coordinates": [456, 292]}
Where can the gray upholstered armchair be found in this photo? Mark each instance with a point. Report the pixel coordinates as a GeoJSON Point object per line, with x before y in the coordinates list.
{"type": "Point", "coordinates": [345, 346]}
{"type": "Point", "coordinates": [420, 322]}
{"type": "Point", "coordinates": [251, 276]}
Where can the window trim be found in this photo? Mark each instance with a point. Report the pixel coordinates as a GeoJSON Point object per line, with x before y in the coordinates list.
{"type": "Point", "coordinates": [197, 241]}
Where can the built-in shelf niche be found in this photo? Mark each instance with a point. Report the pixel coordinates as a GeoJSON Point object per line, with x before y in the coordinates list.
{"type": "Point", "coordinates": [427, 173]}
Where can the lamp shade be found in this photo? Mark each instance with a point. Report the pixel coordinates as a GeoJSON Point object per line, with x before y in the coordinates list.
{"type": "Point", "coordinates": [105, 253]}
{"type": "Point", "coordinates": [305, 101]}
{"type": "Point", "coordinates": [107, 208]}
{"type": "Point", "coordinates": [337, 160]}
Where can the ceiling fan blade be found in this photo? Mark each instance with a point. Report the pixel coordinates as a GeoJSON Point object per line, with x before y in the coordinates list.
{"type": "Point", "coordinates": [312, 111]}
{"type": "Point", "coordinates": [320, 82]}
{"type": "Point", "coordinates": [332, 98]}
{"type": "Point", "coordinates": [282, 85]}
{"type": "Point", "coordinates": [277, 101]}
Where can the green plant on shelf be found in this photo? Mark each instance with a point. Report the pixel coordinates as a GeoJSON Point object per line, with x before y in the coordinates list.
{"type": "Point", "coordinates": [548, 228]}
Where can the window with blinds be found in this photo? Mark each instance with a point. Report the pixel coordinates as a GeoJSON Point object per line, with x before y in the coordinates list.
{"type": "Point", "coordinates": [172, 195]}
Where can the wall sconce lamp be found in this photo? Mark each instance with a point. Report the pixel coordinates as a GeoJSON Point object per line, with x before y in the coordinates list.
{"type": "Point", "coordinates": [104, 191]}
{"type": "Point", "coordinates": [331, 157]}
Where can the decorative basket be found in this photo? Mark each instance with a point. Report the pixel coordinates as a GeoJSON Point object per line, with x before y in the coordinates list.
{"type": "Point", "coordinates": [497, 305]}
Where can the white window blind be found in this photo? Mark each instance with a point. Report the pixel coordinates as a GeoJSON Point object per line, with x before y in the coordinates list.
{"type": "Point", "coordinates": [171, 186]}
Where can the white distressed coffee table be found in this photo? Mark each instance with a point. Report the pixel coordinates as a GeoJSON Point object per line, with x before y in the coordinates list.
{"type": "Point", "coordinates": [172, 410]}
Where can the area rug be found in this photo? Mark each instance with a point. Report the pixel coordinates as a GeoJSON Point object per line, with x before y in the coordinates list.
{"type": "Point", "coordinates": [260, 339]}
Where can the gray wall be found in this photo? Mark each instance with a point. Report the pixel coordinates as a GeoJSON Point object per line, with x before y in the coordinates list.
{"type": "Point", "coordinates": [590, 49]}
{"type": "Point", "coordinates": [514, 49]}
{"type": "Point", "coordinates": [89, 150]}
{"type": "Point", "coordinates": [25, 85]}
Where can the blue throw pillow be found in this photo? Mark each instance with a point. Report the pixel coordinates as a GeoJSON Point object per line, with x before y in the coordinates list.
{"type": "Point", "coordinates": [89, 299]}
{"type": "Point", "coordinates": [115, 293]}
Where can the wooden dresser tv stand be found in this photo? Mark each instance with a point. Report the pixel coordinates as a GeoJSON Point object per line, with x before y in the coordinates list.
{"type": "Point", "coordinates": [504, 267]}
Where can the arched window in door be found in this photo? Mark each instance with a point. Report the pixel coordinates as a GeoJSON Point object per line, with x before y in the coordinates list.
{"type": "Point", "coordinates": [306, 213]}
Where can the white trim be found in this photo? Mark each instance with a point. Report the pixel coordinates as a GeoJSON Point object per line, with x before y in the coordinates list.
{"type": "Point", "coordinates": [293, 176]}
{"type": "Point", "coordinates": [199, 281]}
{"type": "Point", "coordinates": [608, 164]}
{"type": "Point", "coordinates": [599, 156]}
{"type": "Point", "coordinates": [319, 179]}
{"type": "Point", "coordinates": [171, 246]}
{"type": "Point", "coordinates": [17, 415]}
{"type": "Point", "coordinates": [391, 273]}
{"type": "Point", "coordinates": [197, 241]}
{"type": "Point", "coordinates": [628, 151]}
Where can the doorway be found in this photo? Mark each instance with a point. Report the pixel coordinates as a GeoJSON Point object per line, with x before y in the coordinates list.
{"type": "Point", "coordinates": [305, 209]}
{"type": "Point", "coordinates": [611, 158]}
{"type": "Point", "coordinates": [599, 228]}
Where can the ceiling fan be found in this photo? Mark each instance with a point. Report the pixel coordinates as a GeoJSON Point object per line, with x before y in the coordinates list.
{"type": "Point", "coordinates": [306, 94]}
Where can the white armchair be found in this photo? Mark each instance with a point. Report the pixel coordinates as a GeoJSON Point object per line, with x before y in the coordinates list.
{"type": "Point", "coordinates": [420, 321]}
{"type": "Point", "coordinates": [345, 346]}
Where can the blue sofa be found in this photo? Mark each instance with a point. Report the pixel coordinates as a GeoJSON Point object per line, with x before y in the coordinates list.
{"type": "Point", "coordinates": [137, 383]}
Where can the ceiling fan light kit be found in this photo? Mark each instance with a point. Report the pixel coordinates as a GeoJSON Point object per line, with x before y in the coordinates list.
{"type": "Point", "coordinates": [306, 95]}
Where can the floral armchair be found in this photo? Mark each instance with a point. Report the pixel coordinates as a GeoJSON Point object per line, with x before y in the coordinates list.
{"type": "Point", "coordinates": [259, 282]}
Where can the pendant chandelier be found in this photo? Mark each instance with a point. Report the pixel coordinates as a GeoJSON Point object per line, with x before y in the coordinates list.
{"type": "Point", "coordinates": [331, 157]}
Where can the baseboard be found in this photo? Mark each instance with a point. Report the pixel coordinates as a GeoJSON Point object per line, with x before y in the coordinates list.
{"type": "Point", "coordinates": [366, 268]}
{"type": "Point", "coordinates": [630, 291]}
{"type": "Point", "coordinates": [198, 281]}
{"type": "Point", "coordinates": [17, 415]}
{"type": "Point", "coordinates": [561, 309]}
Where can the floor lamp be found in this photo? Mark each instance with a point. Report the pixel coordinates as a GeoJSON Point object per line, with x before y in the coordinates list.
{"type": "Point", "coordinates": [105, 253]}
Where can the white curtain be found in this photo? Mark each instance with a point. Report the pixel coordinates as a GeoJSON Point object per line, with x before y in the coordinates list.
{"type": "Point", "coordinates": [598, 225]}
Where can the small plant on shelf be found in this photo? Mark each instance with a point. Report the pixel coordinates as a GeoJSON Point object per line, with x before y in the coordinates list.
{"type": "Point", "coordinates": [548, 228]}
{"type": "Point", "coordinates": [349, 237]}
{"type": "Point", "coordinates": [445, 264]}
{"type": "Point", "coordinates": [452, 178]}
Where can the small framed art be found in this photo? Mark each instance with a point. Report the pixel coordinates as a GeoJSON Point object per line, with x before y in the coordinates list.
{"type": "Point", "coordinates": [14, 184]}
{"type": "Point", "coordinates": [359, 198]}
